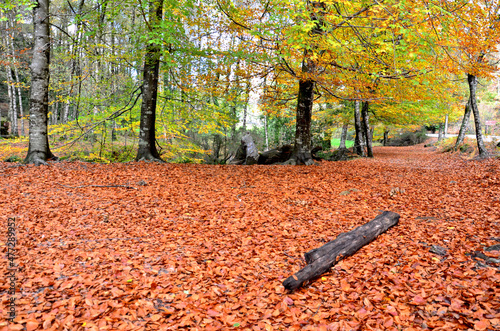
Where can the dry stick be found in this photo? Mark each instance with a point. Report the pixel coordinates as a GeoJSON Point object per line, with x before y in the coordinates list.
{"type": "Point", "coordinates": [82, 186]}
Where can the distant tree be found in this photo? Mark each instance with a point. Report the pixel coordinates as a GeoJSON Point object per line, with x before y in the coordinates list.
{"type": "Point", "coordinates": [472, 38]}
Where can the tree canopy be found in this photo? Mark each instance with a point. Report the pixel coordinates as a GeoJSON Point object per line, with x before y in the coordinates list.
{"type": "Point", "coordinates": [227, 66]}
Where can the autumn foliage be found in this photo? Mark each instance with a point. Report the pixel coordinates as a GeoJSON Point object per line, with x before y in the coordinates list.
{"type": "Point", "coordinates": [141, 246]}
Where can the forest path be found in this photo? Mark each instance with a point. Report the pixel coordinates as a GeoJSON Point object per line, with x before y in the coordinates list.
{"type": "Point", "coordinates": [207, 247]}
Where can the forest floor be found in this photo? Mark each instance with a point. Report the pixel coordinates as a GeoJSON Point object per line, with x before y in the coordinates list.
{"type": "Point", "coordinates": [140, 246]}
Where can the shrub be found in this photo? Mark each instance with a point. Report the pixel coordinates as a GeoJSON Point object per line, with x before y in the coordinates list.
{"type": "Point", "coordinates": [13, 158]}
{"type": "Point", "coordinates": [408, 138]}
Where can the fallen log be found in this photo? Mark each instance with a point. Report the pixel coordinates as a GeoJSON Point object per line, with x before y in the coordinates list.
{"type": "Point", "coordinates": [320, 260]}
{"type": "Point", "coordinates": [278, 155]}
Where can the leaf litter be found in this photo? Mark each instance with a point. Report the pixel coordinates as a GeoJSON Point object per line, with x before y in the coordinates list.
{"type": "Point", "coordinates": [204, 247]}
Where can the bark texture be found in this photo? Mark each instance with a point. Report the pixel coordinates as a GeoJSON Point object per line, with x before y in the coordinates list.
{"type": "Point", "coordinates": [343, 136]}
{"type": "Point", "coordinates": [440, 132]}
{"type": "Point", "coordinates": [464, 126]}
{"type": "Point", "coordinates": [445, 126]}
{"type": "Point", "coordinates": [386, 137]}
{"type": "Point", "coordinates": [472, 80]}
{"type": "Point", "coordinates": [359, 147]}
{"type": "Point", "coordinates": [12, 99]}
{"type": "Point", "coordinates": [366, 128]}
{"type": "Point", "coordinates": [321, 259]}
{"type": "Point", "coordinates": [39, 151]}
{"type": "Point", "coordinates": [302, 148]}
{"type": "Point", "coordinates": [147, 135]}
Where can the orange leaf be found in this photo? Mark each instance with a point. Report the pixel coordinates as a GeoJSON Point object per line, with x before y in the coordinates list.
{"type": "Point", "coordinates": [213, 313]}
{"type": "Point", "coordinates": [345, 285]}
{"type": "Point", "coordinates": [31, 325]}
{"type": "Point", "coordinates": [418, 300]}
{"type": "Point", "coordinates": [482, 324]}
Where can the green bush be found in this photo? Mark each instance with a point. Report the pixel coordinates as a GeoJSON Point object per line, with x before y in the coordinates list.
{"type": "Point", "coordinates": [13, 158]}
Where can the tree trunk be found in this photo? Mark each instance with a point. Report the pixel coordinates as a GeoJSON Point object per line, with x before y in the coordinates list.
{"type": "Point", "coordinates": [147, 140]}
{"type": "Point", "coordinates": [343, 136]}
{"type": "Point", "coordinates": [216, 147]}
{"type": "Point", "coordinates": [14, 127]}
{"type": "Point", "coordinates": [266, 133]}
{"type": "Point", "coordinates": [12, 98]}
{"type": "Point", "coordinates": [55, 113]}
{"type": "Point", "coordinates": [302, 148]}
{"type": "Point", "coordinates": [245, 108]}
{"type": "Point", "coordinates": [359, 147]}
{"type": "Point", "coordinates": [472, 80]}
{"type": "Point", "coordinates": [10, 42]}
{"type": "Point", "coordinates": [38, 150]}
{"type": "Point", "coordinates": [445, 126]}
{"type": "Point", "coordinates": [464, 126]}
{"type": "Point", "coordinates": [440, 132]}
{"type": "Point", "coordinates": [320, 260]}
{"type": "Point", "coordinates": [21, 108]}
{"type": "Point", "coordinates": [11, 90]}
{"type": "Point", "coordinates": [366, 127]}
{"type": "Point", "coordinates": [386, 137]}
{"type": "Point", "coordinates": [113, 131]}
{"type": "Point", "coordinates": [76, 70]}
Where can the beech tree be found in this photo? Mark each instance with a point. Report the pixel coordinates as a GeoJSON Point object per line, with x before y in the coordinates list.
{"type": "Point", "coordinates": [147, 135]}
{"type": "Point", "coordinates": [470, 44]}
{"type": "Point", "coordinates": [39, 151]}
{"type": "Point", "coordinates": [199, 63]}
